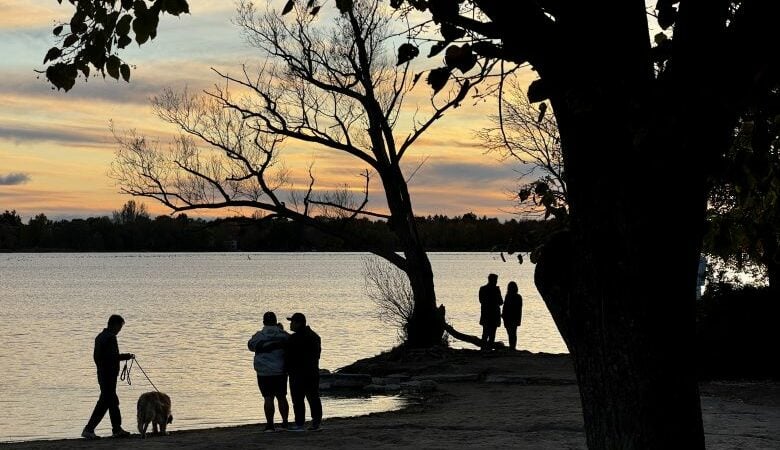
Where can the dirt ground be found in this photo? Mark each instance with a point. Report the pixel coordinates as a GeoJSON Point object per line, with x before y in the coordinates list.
{"type": "Point", "coordinates": [514, 399]}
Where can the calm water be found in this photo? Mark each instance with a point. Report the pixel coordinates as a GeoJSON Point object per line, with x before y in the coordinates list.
{"type": "Point", "coordinates": [188, 317]}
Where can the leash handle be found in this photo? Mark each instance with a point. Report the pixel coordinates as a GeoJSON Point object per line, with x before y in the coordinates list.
{"type": "Point", "coordinates": [125, 375]}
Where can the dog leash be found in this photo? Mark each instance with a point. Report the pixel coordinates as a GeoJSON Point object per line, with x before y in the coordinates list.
{"type": "Point", "coordinates": [125, 376]}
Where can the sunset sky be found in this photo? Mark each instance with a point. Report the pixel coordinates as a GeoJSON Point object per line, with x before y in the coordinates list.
{"type": "Point", "coordinates": [56, 148]}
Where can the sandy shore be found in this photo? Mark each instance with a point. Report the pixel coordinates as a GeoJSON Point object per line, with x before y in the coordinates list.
{"type": "Point", "coordinates": [517, 399]}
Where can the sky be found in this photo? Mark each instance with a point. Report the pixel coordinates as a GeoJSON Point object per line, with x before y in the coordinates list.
{"type": "Point", "coordinates": [56, 147]}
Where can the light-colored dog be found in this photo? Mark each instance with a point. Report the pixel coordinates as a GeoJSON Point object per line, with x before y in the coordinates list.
{"type": "Point", "coordinates": [154, 408]}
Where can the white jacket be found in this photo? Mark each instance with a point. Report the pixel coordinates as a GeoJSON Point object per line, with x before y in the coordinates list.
{"type": "Point", "coordinates": [270, 362]}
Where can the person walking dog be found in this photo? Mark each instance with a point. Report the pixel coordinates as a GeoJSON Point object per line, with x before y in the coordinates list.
{"type": "Point", "coordinates": [107, 357]}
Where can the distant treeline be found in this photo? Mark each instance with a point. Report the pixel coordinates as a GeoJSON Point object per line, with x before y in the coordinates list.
{"type": "Point", "coordinates": [139, 232]}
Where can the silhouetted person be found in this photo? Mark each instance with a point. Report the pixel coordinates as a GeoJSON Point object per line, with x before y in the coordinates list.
{"type": "Point", "coordinates": [513, 313]}
{"type": "Point", "coordinates": [490, 314]}
{"type": "Point", "coordinates": [107, 357]}
{"type": "Point", "coordinates": [303, 365]}
{"type": "Point", "coordinates": [268, 345]}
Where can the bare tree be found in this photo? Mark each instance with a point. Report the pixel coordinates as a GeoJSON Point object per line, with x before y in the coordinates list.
{"type": "Point", "coordinates": [332, 87]}
{"type": "Point", "coordinates": [389, 289]}
{"type": "Point", "coordinates": [525, 133]}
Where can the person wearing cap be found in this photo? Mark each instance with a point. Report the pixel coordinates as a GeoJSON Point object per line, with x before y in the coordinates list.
{"type": "Point", "coordinates": [268, 345]}
{"type": "Point", "coordinates": [303, 365]}
{"type": "Point", "coordinates": [490, 310]}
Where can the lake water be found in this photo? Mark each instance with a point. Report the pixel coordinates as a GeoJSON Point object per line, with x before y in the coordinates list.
{"type": "Point", "coordinates": [188, 317]}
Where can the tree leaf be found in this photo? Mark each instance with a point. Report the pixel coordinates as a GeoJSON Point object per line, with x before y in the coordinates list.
{"type": "Point", "coordinates": [667, 14]}
{"type": "Point", "coordinates": [451, 32]}
{"type": "Point", "coordinates": [112, 66]}
{"type": "Point", "coordinates": [288, 6]}
{"type": "Point", "coordinates": [538, 91]}
{"type": "Point", "coordinates": [344, 5]}
{"type": "Point", "coordinates": [406, 53]}
{"type": "Point", "coordinates": [437, 78]}
{"type": "Point", "coordinates": [140, 29]}
{"type": "Point", "coordinates": [461, 58]}
{"type": "Point", "coordinates": [542, 111]}
{"type": "Point", "coordinates": [437, 48]}
{"type": "Point", "coordinates": [315, 10]}
{"type": "Point", "coordinates": [52, 54]}
{"type": "Point", "coordinates": [416, 78]}
{"type": "Point", "coordinates": [57, 30]}
{"type": "Point", "coordinates": [124, 70]}
{"type": "Point", "coordinates": [70, 40]}
{"type": "Point", "coordinates": [123, 25]}
{"type": "Point", "coordinates": [175, 7]}
{"type": "Point", "coordinates": [123, 41]}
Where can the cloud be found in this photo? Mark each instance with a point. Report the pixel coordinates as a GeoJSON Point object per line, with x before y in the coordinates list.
{"type": "Point", "coordinates": [465, 173]}
{"type": "Point", "coordinates": [62, 135]}
{"type": "Point", "coordinates": [14, 178]}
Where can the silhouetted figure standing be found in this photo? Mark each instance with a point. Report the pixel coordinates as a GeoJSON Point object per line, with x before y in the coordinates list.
{"type": "Point", "coordinates": [490, 314]}
{"type": "Point", "coordinates": [107, 357]}
{"type": "Point", "coordinates": [513, 313]}
{"type": "Point", "coordinates": [303, 364]}
{"type": "Point", "coordinates": [268, 345]}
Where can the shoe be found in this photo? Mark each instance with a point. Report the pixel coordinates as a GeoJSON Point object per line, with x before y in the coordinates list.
{"type": "Point", "coordinates": [269, 429]}
{"type": "Point", "coordinates": [120, 433]}
{"type": "Point", "coordinates": [89, 435]}
{"type": "Point", "coordinates": [296, 429]}
{"type": "Point", "coordinates": [284, 426]}
{"type": "Point", "coordinates": [313, 428]}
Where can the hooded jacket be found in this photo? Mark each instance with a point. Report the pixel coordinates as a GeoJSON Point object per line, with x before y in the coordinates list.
{"type": "Point", "coordinates": [268, 346]}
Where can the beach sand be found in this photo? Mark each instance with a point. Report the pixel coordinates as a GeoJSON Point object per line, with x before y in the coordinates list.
{"type": "Point", "coordinates": [496, 400]}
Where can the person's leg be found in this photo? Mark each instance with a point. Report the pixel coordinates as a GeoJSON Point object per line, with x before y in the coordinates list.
{"type": "Point", "coordinates": [281, 399]}
{"type": "Point", "coordinates": [297, 393]}
{"type": "Point", "coordinates": [313, 396]}
{"type": "Point", "coordinates": [511, 332]}
{"type": "Point", "coordinates": [113, 407]}
{"type": "Point", "coordinates": [267, 390]}
{"type": "Point", "coordinates": [97, 414]}
{"type": "Point", "coordinates": [491, 336]}
{"type": "Point", "coordinates": [485, 336]}
{"type": "Point", "coordinates": [268, 407]}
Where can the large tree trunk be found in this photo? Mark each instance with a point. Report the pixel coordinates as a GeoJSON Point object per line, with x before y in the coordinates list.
{"type": "Point", "coordinates": [621, 282]}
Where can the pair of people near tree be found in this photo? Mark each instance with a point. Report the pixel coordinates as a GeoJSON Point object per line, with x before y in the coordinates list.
{"type": "Point", "coordinates": [279, 354]}
{"type": "Point", "coordinates": [490, 311]}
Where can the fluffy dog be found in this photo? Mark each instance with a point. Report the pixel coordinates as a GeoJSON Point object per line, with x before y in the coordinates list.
{"type": "Point", "coordinates": [154, 408]}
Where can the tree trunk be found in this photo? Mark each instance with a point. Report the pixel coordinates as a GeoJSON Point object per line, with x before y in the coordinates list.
{"type": "Point", "coordinates": [426, 327]}
{"type": "Point", "coordinates": [620, 284]}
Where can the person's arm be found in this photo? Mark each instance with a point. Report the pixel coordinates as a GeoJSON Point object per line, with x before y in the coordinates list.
{"type": "Point", "coordinates": [266, 347]}
{"type": "Point", "coordinates": [254, 341]}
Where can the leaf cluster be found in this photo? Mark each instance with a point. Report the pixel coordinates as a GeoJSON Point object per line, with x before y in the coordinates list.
{"type": "Point", "coordinates": [96, 32]}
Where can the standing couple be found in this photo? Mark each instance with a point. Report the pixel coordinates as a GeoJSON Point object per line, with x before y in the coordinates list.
{"type": "Point", "coordinates": [490, 311]}
{"type": "Point", "coordinates": [279, 354]}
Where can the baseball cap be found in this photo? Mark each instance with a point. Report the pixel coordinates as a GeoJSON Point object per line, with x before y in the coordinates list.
{"type": "Point", "coordinates": [298, 317]}
{"type": "Point", "coordinates": [269, 318]}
